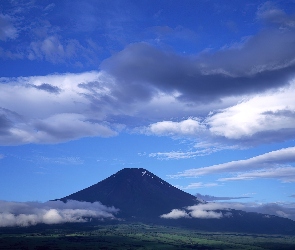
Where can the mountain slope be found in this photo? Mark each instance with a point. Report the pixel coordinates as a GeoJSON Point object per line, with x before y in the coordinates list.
{"type": "Point", "coordinates": [137, 193]}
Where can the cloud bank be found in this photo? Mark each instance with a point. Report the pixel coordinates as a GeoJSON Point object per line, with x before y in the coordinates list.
{"type": "Point", "coordinates": [23, 214]}
{"type": "Point", "coordinates": [228, 95]}
{"type": "Point", "coordinates": [208, 210]}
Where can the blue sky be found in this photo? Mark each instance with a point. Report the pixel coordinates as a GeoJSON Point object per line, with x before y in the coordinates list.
{"type": "Point", "coordinates": [201, 93]}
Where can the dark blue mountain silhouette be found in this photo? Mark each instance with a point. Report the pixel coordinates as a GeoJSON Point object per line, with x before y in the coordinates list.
{"type": "Point", "coordinates": [137, 193]}
{"type": "Point", "coordinates": [143, 197]}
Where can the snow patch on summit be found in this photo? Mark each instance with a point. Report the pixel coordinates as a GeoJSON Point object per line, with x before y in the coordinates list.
{"type": "Point", "coordinates": [143, 173]}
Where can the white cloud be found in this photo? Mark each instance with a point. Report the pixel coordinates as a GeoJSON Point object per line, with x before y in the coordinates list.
{"type": "Point", "coordinates": [208, 210]}
{"type": "Point", "coordinates": [175, 214]}
{"type": "Point", "coordinates": [203, 214]}
{"type": "Point", "coordinates": [93, 104]}
{"type": "Point", "coordinates": [52, 212]}
{"type": "Point", "coordinates": [180, 155]}
{"type": "Point", "coordinates": [257, 118]}
{"type": "Point", "coordinates": [269, 112]}
{"type": "Point", "coordinates": [201, 211]}
{"type": "Point", "coordinates": [56, 109]}
{"type": "Point", "coordinates": [286, 210]}
{"type": "Point", "coordinates": [264, 161]}
{"type": "Point", "coordinates": [190, 126]}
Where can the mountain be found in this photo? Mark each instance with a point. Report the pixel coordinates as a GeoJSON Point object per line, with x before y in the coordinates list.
{"type": "Point", "coordinates": [137, 193]}
{"type": "Point", "coordinates": [143, 197]}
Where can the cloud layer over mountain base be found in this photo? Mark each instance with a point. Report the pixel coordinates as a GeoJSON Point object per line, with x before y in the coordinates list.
{"type": "Point", "coordinates": [23, 214]}
{"type": "Point", "coordinates": [212, 210]}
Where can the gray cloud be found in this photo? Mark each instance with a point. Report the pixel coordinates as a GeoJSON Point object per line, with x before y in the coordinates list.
{"type": "Point", "coordinates": [52, 212]}
{"type": "Point", "coordinates": [270, 13]}
{"type": "Point", "coordinates": [214, 198]}
{"type": "Point", "coordinates": [48, 88]}
{"type": "Point", "coordinates": [7, 120]}
{"type": "Point", "coordinates": [5, 124]}
{"type": "Point", "coordinates": [7, 29]}
{"type": "Point", "coordinates": [210, 76]}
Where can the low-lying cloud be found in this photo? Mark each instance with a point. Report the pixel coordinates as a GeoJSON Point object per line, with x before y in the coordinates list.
{"type": "Point", "coordinates": [201, 211]}
{"type": "Point", "coordinates": [215, 198]}
{"type": "Point", "coordinates": [211, 210]}
{"type": "Point", "coordinates": [23, 214]}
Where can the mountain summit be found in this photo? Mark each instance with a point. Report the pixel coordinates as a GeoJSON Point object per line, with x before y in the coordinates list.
{"type": "Point", "coordinates": [137, 193]}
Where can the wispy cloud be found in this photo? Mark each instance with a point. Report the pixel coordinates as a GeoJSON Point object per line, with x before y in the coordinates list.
{"type": "Point", "coordinates": [176, 155]}
{"type": "Point", "coordinates": [285, 174]}
{"type": "Point", "coordinates": [53, 212]}
{"type": "Point", "coordinates": [60, 160]}
{"type": "Point", "coordinates": [199, 149]}
{"type": "Point", "coordinates": [197, 185]}
{"type": "Point", "coordinates": [214, 198]}
{"type": "Point", "coordinates": [275, 159]}
{"type": "Point", "coordinates": [7, 28]}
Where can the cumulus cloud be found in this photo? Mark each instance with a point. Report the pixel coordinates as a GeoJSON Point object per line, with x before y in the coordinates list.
{"type": "Point", "coordinates": [263, 118]}
{"type": "Point", "coordinates": [144, 86]}
{"type": "Point", "coordinates": [259, 116]}
{"type": "Point", "coordinates": [98, 103]}
{"type": "Point", "coordinates": [190, 126]}
{"type": "Point", "coordinates": [210, 76]}
{"type": "Point", "coordinates": [55, 111]}
{"type": "Point", "coordinates": [53, 212]}
{"type": "Point", "coordinates": [215, 210]}
{"type": "Point", "coordinates": [265, 161]}
{"type": "Point", "coordinates": [204, 214]}
{"type": "Point", "coordinates": [175, 214]}
{"type": "Point", "coordinates": [201, 211]}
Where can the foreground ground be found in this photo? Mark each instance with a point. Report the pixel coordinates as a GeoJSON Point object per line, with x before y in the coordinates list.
{"type": "Point", "coordinates": [134, 236]}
